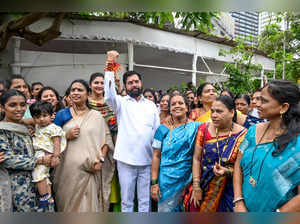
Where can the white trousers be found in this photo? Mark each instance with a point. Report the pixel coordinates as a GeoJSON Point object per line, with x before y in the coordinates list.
{"type": "Point", "coordinates": [129, 177]}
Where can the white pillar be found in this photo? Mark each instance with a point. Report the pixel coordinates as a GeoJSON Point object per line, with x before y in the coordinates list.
{"type": "Point", "coordinates": [262, 78]}
{"type": "Point", "coordinates": [15, 66]}
{"type": "Point", "coordinates": [194, 68]}
{"type": "Point", "coordinates": [130, 56]}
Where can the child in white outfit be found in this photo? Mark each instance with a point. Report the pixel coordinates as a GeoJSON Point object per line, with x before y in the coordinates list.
{"type": "Point", "coordinates": [48, 139]}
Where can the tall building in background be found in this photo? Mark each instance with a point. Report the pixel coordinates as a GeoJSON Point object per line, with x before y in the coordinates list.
{"type": "Point", "coordinates": [266, 18]}
{"type": "Point", "coordinates": [246, 24]}
{"type": "Point", "coordinates": [224, 25]}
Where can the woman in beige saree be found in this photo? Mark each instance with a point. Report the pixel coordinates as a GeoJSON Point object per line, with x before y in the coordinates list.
{"type": "Point", "coordinates": [82, 180]}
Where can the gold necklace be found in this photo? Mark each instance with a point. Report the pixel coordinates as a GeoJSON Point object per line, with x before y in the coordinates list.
{"type": "Point", "coordinates": [218, 147]}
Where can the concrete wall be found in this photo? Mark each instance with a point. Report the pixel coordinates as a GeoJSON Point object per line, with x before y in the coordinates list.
{"type": "Point", "coordinates": [164, 79]}
{"type": "Point", "coordinates": [59, 70]}
{"type": "Point", "coordinates": [6, 57]}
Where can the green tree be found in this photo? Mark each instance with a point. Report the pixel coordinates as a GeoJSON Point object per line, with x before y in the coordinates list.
{"type": "Point", "coordinates": [283, 45]}
{"type": "Point", "coordinates": [188, 21]}
{"type": "Point", "coordinates": [18, 24]}
{"type": "Point", "coordinates": [241, 72]}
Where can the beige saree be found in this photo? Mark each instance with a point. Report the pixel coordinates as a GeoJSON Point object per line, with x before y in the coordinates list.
{"type": "Point", "coordinates": [76, 187]}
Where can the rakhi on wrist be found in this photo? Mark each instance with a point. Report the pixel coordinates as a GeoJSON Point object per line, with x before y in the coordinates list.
{"type": "Point", "coordinates": [111, 64]}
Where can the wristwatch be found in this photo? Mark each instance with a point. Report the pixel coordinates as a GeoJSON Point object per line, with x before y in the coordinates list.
{"type": "Point", "coordinates": [102, 159]}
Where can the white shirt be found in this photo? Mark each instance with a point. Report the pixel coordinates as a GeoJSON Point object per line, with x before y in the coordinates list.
{"type": "Point", "coordinates": [254, 112]}
{"type": "Point", "coordinates": [137, 123]}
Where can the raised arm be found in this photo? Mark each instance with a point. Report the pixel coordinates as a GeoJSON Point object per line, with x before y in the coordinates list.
{"type": "Point", "coordinates": [110, 94]}
{"type": "Point", "coordinates": [111, 80]}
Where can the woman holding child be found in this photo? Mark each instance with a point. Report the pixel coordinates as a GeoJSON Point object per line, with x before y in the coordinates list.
{"type": "Point", "coordinates": [18, 192]}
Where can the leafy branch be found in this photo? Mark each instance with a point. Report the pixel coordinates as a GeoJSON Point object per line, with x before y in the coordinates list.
{"type": "Point", "coordinates": [241, 72]}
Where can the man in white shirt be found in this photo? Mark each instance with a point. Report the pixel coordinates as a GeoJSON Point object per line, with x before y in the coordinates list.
{"type": "Point", "coordinates": [138, 120]}
{"type": "Point", "coordinates": [255, 97]}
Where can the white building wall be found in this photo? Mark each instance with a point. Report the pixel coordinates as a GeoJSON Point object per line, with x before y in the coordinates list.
{"type": "Point", "coordinates": [59, 70]}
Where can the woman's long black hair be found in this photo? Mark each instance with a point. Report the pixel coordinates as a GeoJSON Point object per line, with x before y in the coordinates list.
{"type": "Point", "coordinates": [59, 105]}
{"type": "Point", "coordinates": [286, 92]}
{"type": "Point", "coordinates": [153, 94]}
{"type": "Point", "coordinates": [185, 101]}
{"type": "Point", "coordinates": [6, 96]}
{"type": "Point", "coordinates": [200, 91]}
{"type": "Point", "coordinates": [229, 103]}
{"type": "Point", "coordinates": [245, 97]}
{"type": "Point", "coordinates": [86, 86]}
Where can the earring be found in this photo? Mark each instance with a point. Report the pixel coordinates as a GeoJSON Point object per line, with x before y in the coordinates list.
{"type": "Point", "coordinates": [281, 115]}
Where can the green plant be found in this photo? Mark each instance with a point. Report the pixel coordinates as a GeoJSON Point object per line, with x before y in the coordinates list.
{"type": "Point", "coordinates": [283, 45]}
{"type": "Point", "coordinates": [241, 72]}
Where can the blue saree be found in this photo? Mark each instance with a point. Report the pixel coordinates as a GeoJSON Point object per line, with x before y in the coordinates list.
{"type": "Point", "coordinates": [279, 176]}
{"type": "Point", "coordinates": [177, 148]}
{"type": "Point", "coordinates": [251, 120]}
{"type": "Point", "coordinates": [62, 117]}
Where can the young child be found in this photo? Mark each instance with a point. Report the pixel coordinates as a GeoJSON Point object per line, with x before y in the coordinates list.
{"type": "Point", "coordinates": [48, 138]}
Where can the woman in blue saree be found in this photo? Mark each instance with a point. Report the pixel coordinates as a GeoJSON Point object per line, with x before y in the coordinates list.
{"type": "Point", "coordinates": [267, 175]}
{"type": "Point", "coordinates": [172, 157]}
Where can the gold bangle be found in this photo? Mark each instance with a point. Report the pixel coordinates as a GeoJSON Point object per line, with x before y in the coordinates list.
{"type": "Point", "coordinates": [229, 172]}
{"type": "Point", "coordinates": [197, 188]}
{"type": "Point", "coordinates": [196, 185]}
{"type": "Point", "coordinates": [196, 182]}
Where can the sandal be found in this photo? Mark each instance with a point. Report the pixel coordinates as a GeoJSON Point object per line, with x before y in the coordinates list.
{"type": "Point", "coordinates": [46, 203]}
